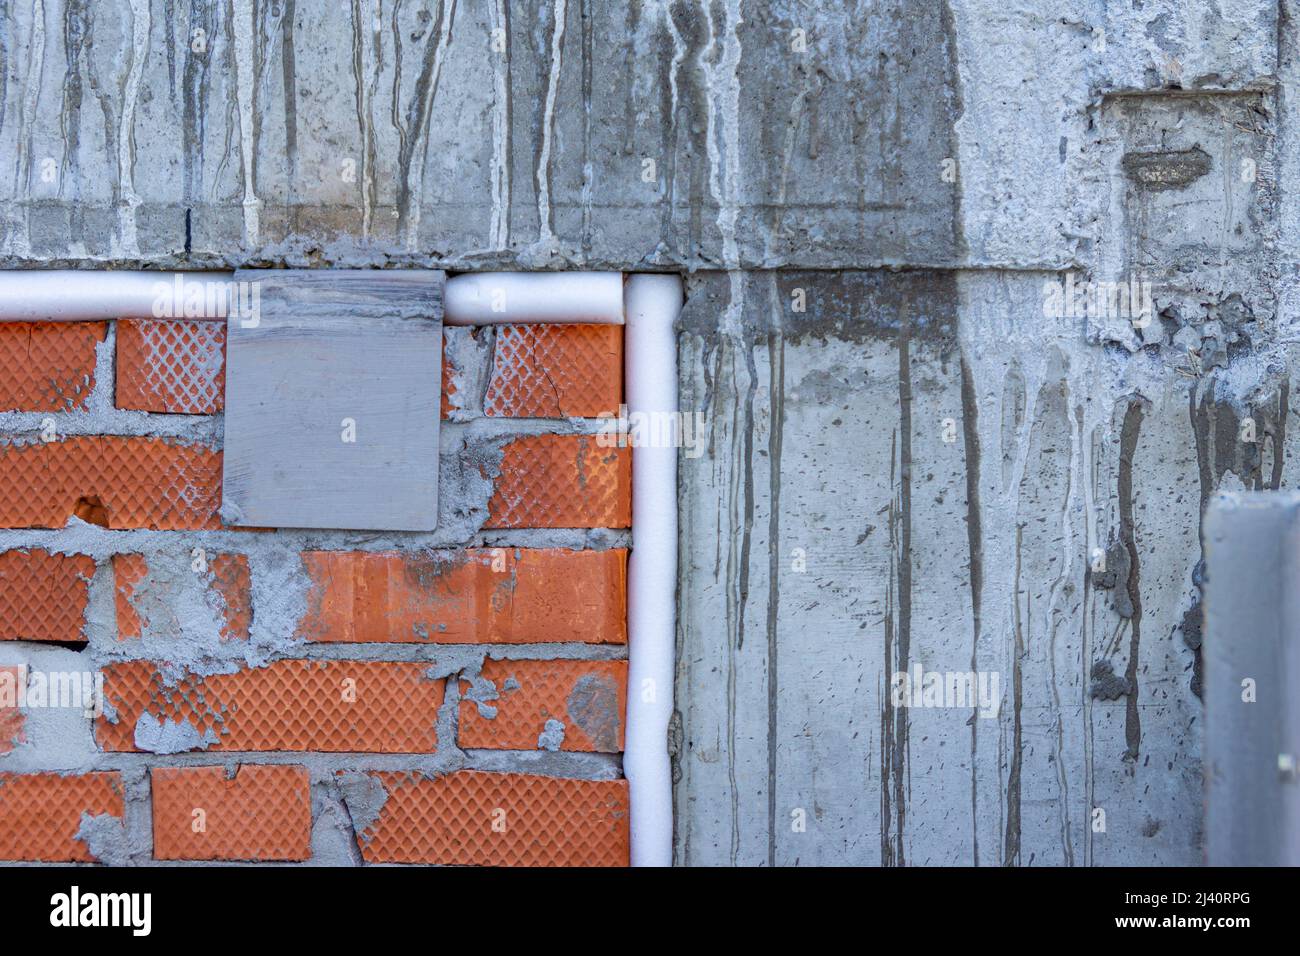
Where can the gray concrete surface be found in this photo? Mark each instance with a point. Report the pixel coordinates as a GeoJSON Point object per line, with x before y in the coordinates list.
{"type": "Point", "coordinates": [1252, 740]}
{"type": "Point", "coordinates": [920, 467]}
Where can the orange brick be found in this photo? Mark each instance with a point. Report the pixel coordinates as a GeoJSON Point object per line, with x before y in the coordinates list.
{"type": "Point", "coordinates": [231, 580]}
{"type": "Point", "coordinates": [262, 813]}
{"type": "Point", "coordinates": [47, 366]}
{"type": "Point", "coordinates": [448, 397]}
{"type": "Point", "coordinates": [562, 481]}
{"type": "Point", "coordinates": [334, 706]}
{"type": "Point", "coordinates": [588, 698]}
{"type": "Point", "coordinates": [43, 596]}
{"type": "Point", "coordinates": [140, 594]}
{"type": "Point", "coordinates": [555, 371]}
{"type": "Point", "coordinates": [499, 595]}
{"type": "Point", "coordinates": [129, 571]}
{"type": "Point", "coordinates": [499, 819]}
{"type": "Point", "coordinates": [40, 813]}
{"type": "Point", "coordinates": [109, 480]}
{"type": "Point", "coordinates": [165, 365]}
{"type": "Point", "coordinates": [11, 718]}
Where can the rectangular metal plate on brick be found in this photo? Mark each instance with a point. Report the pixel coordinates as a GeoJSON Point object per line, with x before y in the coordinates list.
{"type": "Point", "coordinates": [333, 381]}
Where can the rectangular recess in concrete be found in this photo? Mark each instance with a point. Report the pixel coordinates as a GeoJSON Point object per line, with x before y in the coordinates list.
{"type": "Point", "coordinates": [332, 400]}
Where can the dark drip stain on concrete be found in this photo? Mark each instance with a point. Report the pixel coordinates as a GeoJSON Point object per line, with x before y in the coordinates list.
{"type": "Point", "coordinates": [776, 363]}
{"type": "Point", "coordinates": [901, 539]}
{"type": "Point", "coordinates": [1011, 850]}
{"type": "Point", "coordinates": [1128, 447]}
{"type": "Point", "coordinates": [1217, 429]}
{"type": "Point", "coordinates": [887, 710]}
{"type": "Point", "coordinates": [974, 538]}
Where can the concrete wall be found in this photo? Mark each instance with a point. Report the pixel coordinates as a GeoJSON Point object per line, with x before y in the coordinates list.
{"type": "Point", "coordinates": [904, 466]}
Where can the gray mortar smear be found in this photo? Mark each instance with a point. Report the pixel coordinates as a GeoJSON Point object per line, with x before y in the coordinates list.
{"type": "Point", "coordinates": [552, 737]}
{"type": "Point", "coordinates": [333, 840]}
{"type": "Point", "coordinates": [105, 837]}
{"type": "Point", "coordinates": [469, 352]}
{"type": "Point", "coordinates": [364, 796]}
{"type": "Point", "coordinates": [481, 692]}
{"type": "Point", "coordinates": [593, 706]}
{"type": "Point", "coordinates": [170, 736]}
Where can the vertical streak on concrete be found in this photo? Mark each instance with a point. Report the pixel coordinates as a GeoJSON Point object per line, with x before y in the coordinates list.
{"type": "Point", "coordinates": [949, 25]}
{"type": "Point", "coordinates": [499, 227]}
{"type": "Point", "coordinates": [902, 722]}
{"type": "Point", "coordinates": [887, 705]}
{"type": "Point", "coordinates": [747, 527]}
{"type": "Point", "coordinates": [1279, 435]}
{"type": "Point", "coordinates": [725, 357]}
{"type": "Point", "coordinates": [193, 114]}
{"type": "Point", "coordinates": [588, 173]}
{"type": "Point", "coordinates": [412, 160]}
{"type": "Point", "coordinates": [667, 232]}
{"type": "Point", "coordinates": [776, 356]}
{"type": "Point", "coordinates": [797, 106]}
{"type": "Point", "coordinates": [1201, 436]}
{"type": "Point", "coordinates": [974, 536]}
{"type": "Point", "coordinates": [1011, 853]}
{"type": "Point", "coordinates": [546, 234]}
{"type": "Point", "coordinates": [731, 134]}
{"type": "Point", "coordinates": [74, 45]}
{"type": "Point", "coordinates": [289, 71]}
{"type": "Point", "coordinates": [1128, 445]}
{"type": "Point", "coordinates": [1088, 481]}
{"type": "Point", "coordinates": [242, 29]}
{"type": "Point", "coordinates": [126, 135]}
{"type": "Point", "coordinates": [5, 26]}
{"type": "Point", "coordinates": [20, 243]}
{"type": "Point", "coordinates": [362, 54]}
{"type": "Point", "coordinates": [1063, 583]}
{"type": "Point", "coordinates": [395, 105]}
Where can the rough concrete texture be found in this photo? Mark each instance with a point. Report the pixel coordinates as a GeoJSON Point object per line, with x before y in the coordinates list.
{"type": "Point", "coordinates": [924, 469]}
{"type": "Point", "coordinates": [905, 466]}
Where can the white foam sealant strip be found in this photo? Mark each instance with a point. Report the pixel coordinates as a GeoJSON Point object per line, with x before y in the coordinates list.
{"type": "Point", "coordinates": [76, 295]}
{"type": "Point", "coordinates": [566, 298]}
{"type": "Point", "coordinates": [652, 304]}
{"type": "Point", "coordinates": [649, 306]}
{"type": "Point", "coordinates": [486, 298]}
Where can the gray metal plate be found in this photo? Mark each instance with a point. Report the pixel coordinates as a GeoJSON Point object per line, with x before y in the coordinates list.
{"type": "Point", "coordinates": [332, 401]}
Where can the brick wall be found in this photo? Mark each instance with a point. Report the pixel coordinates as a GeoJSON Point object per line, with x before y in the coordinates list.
{"type": "Point", "coordinates": [455, 697]}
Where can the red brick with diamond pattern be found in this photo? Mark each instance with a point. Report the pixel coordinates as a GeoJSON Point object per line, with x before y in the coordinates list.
{"type": "Point", "coordinates": [129, 571]}
{"type": "Point", "coordinates": [110, 480]}
{"type": "Point", "coordinates": [589, 698]}
{"type": "Point", "coordinates": [499, 819]}
{"type": "Point", "coordinates": [232, 581]}
{"type": "Point", "coordinates": [477, 596]}
{"type": "Point", "coordinates": [11, 718]}
{"type": "Point", "coordinates": [562, 481]}
{"type": "Point", "coordinates": [262, 813]}
{"type": "Point", "coordinates": [164, 365]}
{"type": "Point", "coordinates": [43, 596]}
{"type": "Point", "coordinates": [555, 371]}
{"type": "Point", "coordinates": [328, 706]}
{"type": "Point", "coordinates": [136, 590]}
{"type": "Point", "coordinates": [40, 813]}
{"type": "Point", "coordinates": [339, 706]}
{"type": "Point", "coordinates": [47, 366]}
